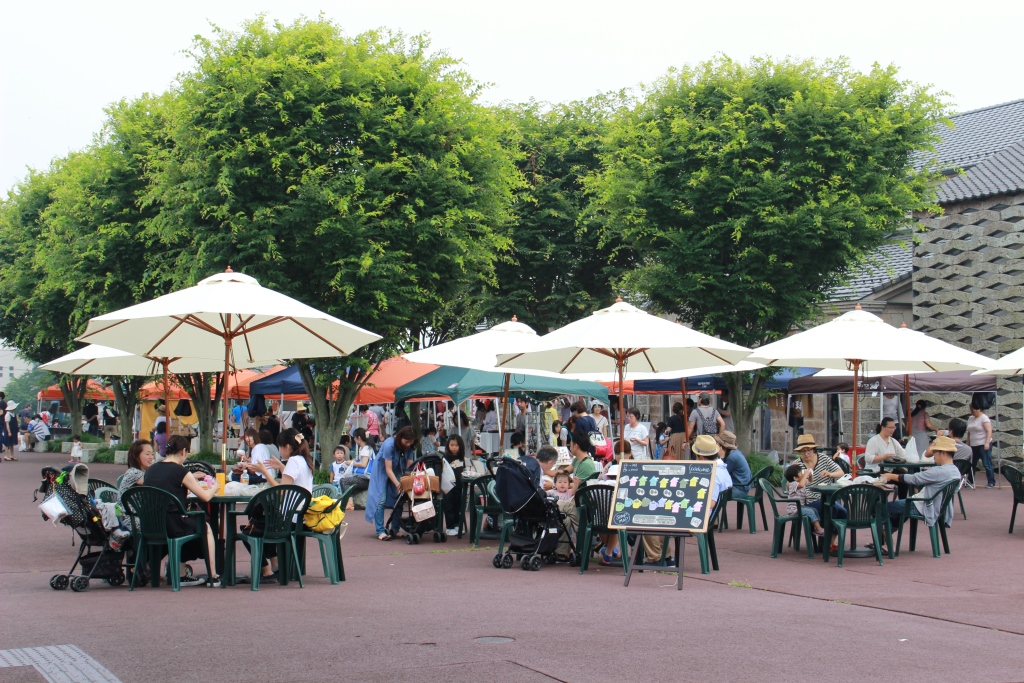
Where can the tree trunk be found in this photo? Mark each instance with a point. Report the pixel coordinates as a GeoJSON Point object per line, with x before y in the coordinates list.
{"type": "Point", "coordinates": [126, 397]}
{"type": "Point", "coordinates": [73, 388]}
{"type": "Point", "coordinates": [744, 409]}
{"type": "Point", "coordinates": [331, 408]}
{"type": "Point", "coordinates": [197, 386]}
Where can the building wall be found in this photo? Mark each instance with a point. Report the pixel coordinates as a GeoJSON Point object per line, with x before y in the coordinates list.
{"type": "Point", "coordinates": [969, 291]}
{"type": "Point", "coordinates": [11, 365]}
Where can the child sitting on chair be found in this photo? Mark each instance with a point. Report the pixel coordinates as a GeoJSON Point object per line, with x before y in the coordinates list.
{"type": "Point", "coordinates": [842, 453]}
{"type": "Point", "coordinates": [561, 490]}
{"type": "Point", "coordinates": [797, 490]}
{"type": "Point", "coordinates": [339, 465]}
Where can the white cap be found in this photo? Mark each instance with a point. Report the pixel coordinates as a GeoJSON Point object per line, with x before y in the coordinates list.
{"type": "Point", "coordinates": [613, 470]}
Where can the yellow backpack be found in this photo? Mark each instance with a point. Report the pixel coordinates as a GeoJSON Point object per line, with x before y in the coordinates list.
{"type": "Point", "coordinates": [323, 514]}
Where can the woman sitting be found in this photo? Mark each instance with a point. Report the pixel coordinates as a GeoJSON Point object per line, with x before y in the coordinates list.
{"type": "Point", "coordinates": [140, 458]}
{"type": "Point", "coordinates": [296, 470]}
{"type": "Point", "coordinates": [170, 475]}
{"type": "Point", "coordinates": [359, 470]}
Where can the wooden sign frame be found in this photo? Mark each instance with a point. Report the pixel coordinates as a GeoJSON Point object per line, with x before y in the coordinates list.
{"type": "Point", "coordinates": [663, 468]}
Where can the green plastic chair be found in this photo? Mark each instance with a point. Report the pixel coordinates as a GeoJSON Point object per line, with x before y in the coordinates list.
{"type": "Point", "coordinates": [99, 484]}
{"type": "Point", "coordinates": [865, 505]}
{"type": "Point", "coordinates": [754, 497]}
{"type": "Point", "coordinates": [594, 507]}
{"type": "Point", "coordinates": [781, 520]}
{"type": "Point", "coordinates": [483, 488]}
{"type": "Point", "coordinates": [199, 468]}
{"type": "Point", "coordinates": [146, 508]}
{"type": "Point", "coordinates": [106, 494]}
{"type": "Point", "coordinates": [281, 506]}
{"type": "Point", "coordinates": [330, 548]}
{"type": "Point", "coordinates": [119, 482]}
{"type": "Point", "coordinates": [706, 542]}
{"type": "Point", "coordinates": [1016, 479]}
{"type": "Point", "coordinates": [911, 514]}
{"type": "Point", "coordinates": [325, 490]}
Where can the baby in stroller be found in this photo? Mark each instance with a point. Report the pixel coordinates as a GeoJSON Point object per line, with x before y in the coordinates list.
{"type": "Point", "coordinates": [531, 521]}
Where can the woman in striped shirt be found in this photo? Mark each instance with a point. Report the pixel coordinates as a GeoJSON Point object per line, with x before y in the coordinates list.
{"type": "Point", "coordinates": [825, 471]}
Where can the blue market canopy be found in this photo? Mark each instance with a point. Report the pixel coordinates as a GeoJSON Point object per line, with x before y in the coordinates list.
{"type": "Point", "coordinates": [713, 382]}
{"type": "Point", "coordinates": [285, 381]}
{"type": "Point", "coordinates": [460, 384]}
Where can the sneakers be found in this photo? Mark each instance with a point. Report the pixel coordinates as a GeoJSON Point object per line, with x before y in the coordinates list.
{"type": "Point", "coordinates": [192, 581]}
{"type": "Point", "coordinates": [990, 485]}
{"type": "Point", "coordinates": [452, 532]}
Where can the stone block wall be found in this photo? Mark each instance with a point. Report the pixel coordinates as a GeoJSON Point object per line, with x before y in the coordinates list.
{"type": "Point", "coordinates": [969, 291]}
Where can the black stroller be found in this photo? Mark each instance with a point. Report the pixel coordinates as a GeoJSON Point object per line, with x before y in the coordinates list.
{"type": "Point", "coordinates": [85, 521]}
{"type": "Point", "coordinates": [531, 521]}
{"type": "Point", "coordinates": [407, 499]}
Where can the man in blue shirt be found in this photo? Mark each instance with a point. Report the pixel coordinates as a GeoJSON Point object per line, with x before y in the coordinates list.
{"type": "Point", "coordinates": [735, 462]}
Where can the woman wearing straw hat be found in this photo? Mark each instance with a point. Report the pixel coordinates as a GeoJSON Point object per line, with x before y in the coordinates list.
{"type": "Point", "coordinates": [824, 470]}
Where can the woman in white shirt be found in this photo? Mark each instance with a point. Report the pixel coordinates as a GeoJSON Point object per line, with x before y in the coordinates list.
{"type": "Point", "coordinates": [297, 470]}
{"type": "Point", "coordinates": [979, 437]}
{"type": "Point", "coordinates": [637, 435]}
{"type": "Point", "coordinates": [884, 446]}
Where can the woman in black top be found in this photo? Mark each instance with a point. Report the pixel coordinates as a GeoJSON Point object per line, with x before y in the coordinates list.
{"type": "Point", "coordinates": [170, 475]}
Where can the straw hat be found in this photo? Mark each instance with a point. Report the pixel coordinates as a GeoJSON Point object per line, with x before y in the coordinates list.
{"type": "Point", "coordinates": [726, 439]}
{"type": "Point", "coordinates": [300, 408]}
{"type": "Point", "coordinates": [805, 441]}
{"type": "Point", "coordinates": [944, 444]}
{"type": "Point", "coordinates": [705, 446]}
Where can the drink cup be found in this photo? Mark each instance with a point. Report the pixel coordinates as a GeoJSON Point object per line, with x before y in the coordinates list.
{"type": "Point", "coordinates": [220, 483]}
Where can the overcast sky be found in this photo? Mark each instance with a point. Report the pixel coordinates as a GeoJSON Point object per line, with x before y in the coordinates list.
{"type": "Point", "coordinates": [64, 61]}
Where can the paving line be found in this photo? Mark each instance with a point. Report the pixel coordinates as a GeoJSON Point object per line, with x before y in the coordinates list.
{"type": "Point", "coordinates": [59, 664]}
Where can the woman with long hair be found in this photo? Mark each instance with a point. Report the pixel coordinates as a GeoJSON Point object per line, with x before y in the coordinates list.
{"type": "Point", "coordinates": [455, 455]}
{"type": "Point", "coordinates": [394, 456]}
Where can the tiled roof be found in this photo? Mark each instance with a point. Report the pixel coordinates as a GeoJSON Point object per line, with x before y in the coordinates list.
{"type": "Point", "coordinates": [988, 145]}
{"type": "Point", "coordinates": [886, 265]}
{"type": "Point", "coordinates": [1001, 173]}
{"type": "Point", "coordinates": [981, 133]}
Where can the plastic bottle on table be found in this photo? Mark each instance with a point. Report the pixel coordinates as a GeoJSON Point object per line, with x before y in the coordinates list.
{"type": "Point", "coordinates": [245, 477]}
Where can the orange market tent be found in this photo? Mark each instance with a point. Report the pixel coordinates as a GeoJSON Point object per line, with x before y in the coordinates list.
{"type": "Point", "coordinates": [392, 373]}
{"type": "Point", "coordinates": [94, 392]}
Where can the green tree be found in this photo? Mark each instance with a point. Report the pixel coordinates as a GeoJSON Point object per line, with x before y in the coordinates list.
{"type": "Point", "coordinates": [756, 187]}
{"type": "Point", "coordinates": [25, 387]}
{"type": "Point", "coordinates": [356, 174]}
{"type": "Point", "coordinates": [560, 266]}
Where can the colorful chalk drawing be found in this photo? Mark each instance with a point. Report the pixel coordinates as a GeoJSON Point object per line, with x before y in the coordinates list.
{"type": "Point", "coordinates": [705, 482]}
{"type": "Point", "coordinates": [663, 495]}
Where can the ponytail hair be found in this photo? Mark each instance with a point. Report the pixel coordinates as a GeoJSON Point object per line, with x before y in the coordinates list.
{"type": "Point", "coordinates": [294, 439]}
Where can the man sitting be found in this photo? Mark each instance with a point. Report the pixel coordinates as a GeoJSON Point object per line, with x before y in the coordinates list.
{"type": "Point", "coordinates": [931, 479]}
{"type": "Point", "coordinates": [37, 431]}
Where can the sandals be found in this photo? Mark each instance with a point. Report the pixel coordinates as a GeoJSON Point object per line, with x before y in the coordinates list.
{"type": "Point", "coordinates": [383, 537]}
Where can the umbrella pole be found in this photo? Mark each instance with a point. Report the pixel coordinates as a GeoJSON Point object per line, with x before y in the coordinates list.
{"type": "Point", "coordinates": [619, 360]}
{"type": "Point", "coordinates": [686, 411]}
{"type": "Point", "coordinates": [853, 440]}
{"type": "Point", "coordinates": [224, 422]}
{"type": "Point", "coordinates": [167, 402]}
{"type": "Point", "coordinates": [906, 393]}
{"type": "Point", "coordinates": [504, 413]}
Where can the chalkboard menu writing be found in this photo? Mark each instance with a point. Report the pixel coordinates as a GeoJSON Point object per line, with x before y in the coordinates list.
{"type": "Point", "coordinates": [663, 495]}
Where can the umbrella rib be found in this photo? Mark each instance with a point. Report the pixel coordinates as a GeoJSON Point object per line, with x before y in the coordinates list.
{"type": "Point", "coordinates": [341, 351]}
{"type": "Point", "coordinates": [509, 360]}
{"type": "Point", "coordinates": [712, 353]}
{"type": "Point", "coordinates": [169, 333]}
{"type": "Point", "coordinates": [190, 319]}
{"type": "Point", "coordinates": [265, 323]}
{"type": "Point", "coordinates": [75, 371]}
{"type": "Point", "coordinates": [86, 336]}
{"type": "Point", "coordinates": [571, 360]}
{"type": "Point", "coordinates": [241, 325]}
{"type": "Point", "coordinates": [649, 361]}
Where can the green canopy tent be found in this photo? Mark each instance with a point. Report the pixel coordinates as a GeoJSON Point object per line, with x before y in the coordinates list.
{"type": "Point", "coordinates": [461, 384]}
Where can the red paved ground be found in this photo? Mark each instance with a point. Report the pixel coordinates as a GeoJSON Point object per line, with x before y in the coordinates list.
{"type": "Point", "coordinates": [412, 612]}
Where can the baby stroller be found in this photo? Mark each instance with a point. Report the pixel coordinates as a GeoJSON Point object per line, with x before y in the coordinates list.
{"type": "Point", "coordinates": [68, 492]}
{"type": "Point", "coordinates": [531, 521]}
{"type": "Point", "coordinates": [408, 499]}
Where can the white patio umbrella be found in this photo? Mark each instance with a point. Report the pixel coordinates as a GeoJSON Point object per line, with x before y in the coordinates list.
{"type": "Point", "coordinates": [1008, 366]}
{"type": "Point", "coordinates": [96, 359]}
{"type": "Point", "coordinates": [478, 351]}
{"type": "Point", "coordinates": [858, 337]}
{"type": "Point", "coordinates": [226, 315]}
{"type": "Point", "coordinates": [623, 334]}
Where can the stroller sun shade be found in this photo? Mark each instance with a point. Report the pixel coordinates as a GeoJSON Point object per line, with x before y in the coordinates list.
{"type": "Point", "coordinates": [513, 487]}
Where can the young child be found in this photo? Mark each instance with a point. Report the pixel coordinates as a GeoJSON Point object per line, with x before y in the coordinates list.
{"type": "Point", "coordinates": [842, 452]}
{"type": "Point", "coordinates": [798, 479]}
{"type": "Point", "coordinates": [339, 464]}
{"type": "Point", "coordinates": [76, 449]}
{"type": "Point", "coordinates": [561, 490]}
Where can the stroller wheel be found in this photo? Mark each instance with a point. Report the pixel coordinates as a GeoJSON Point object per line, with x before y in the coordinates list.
{"type": "Point", "coordinates": [409, 539]}
{"type": "Point", "coordinates": [525, 564]}
{"type": "Point", "coordinates": [59, 582]}
{"type": "Point", "coordinates": [437, 537]}
{"type": "Point", "coordinates": [415, 539]}
{"type": "Point", "coordinates": [79, 584]}
{"type": "Point", "coordinates": [506, 561]}
{"type": "Point", "coordinates": [535, 564]}
{"type": "Point", "coordinates": [496, 561]}
{"type": "Point", "coordinates": [116, 580]}
{"type": "Point", "coordinates": [574, 559]}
